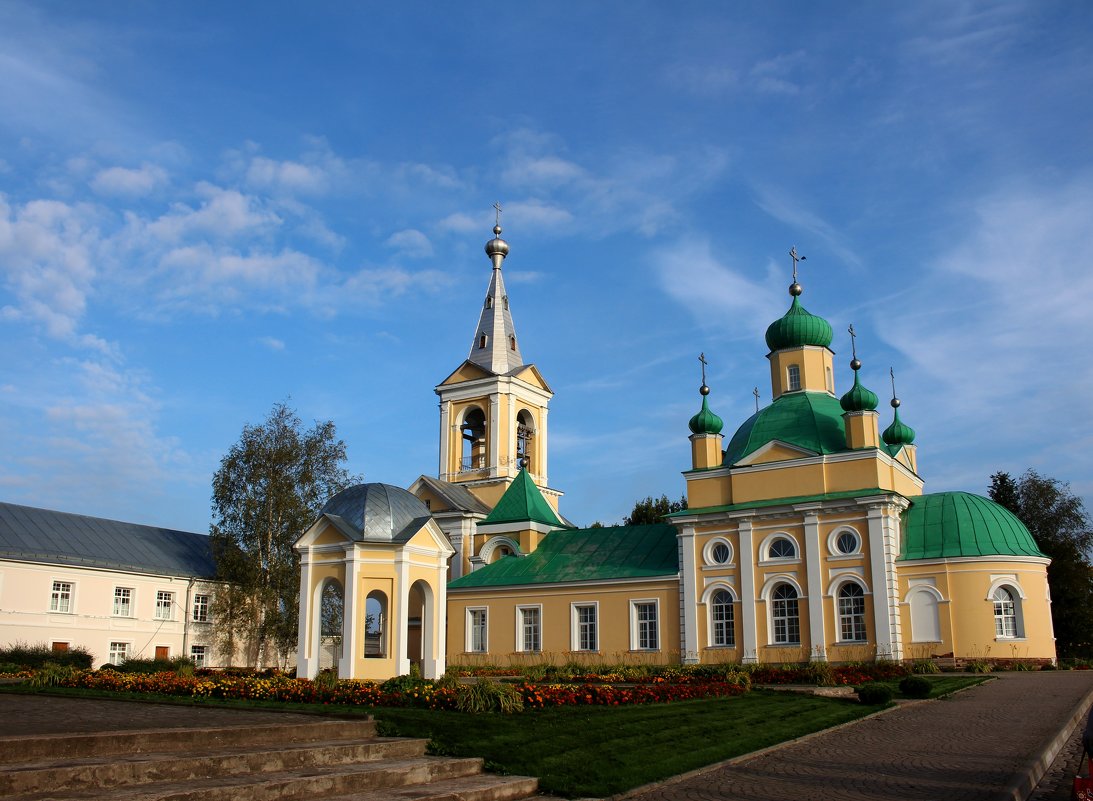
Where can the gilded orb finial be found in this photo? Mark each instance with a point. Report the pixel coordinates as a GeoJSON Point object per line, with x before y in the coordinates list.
{"type": "Point", "coordinates": [497, 248]}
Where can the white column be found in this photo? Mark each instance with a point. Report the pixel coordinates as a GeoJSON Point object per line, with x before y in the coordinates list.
{"type": "Point", "coordinates": [688, 623]}
{"type": "Point", "coordinates": [351, 615]}
{"type": "Point", "coordinates": [440, 615]}
{"type": "Point", "coordinates": [814, 588]}
{"type": "Point", "coordinates": [402, 613]}
{"type": "Point", "coordinates": [883, 543]}
{"type": "Point", "coordinates": [494, 435]}
{"type": "Point", "coordinates": [541, 446]}
{"type": "Point", "coordinates": [748, 598]}
{"type": "Point", "coordinates": [445, 431]}
{"type": "Point", "coordinates": [511, 468]}
{"type": "Point", "coordinates": [306, 665]}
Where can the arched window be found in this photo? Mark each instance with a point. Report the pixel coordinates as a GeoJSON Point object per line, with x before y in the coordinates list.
{"type": "Point", "coordinates": [785, 618]}
{"type": "Point", "coordinates": [925, 623]}
{"type": "Point", "coordinates": [793, 377]}
{"type": "Point", "coordinates": [489, 303]}
{"type": "Point", "coordinates": [722, 629]}
{"type": "Point", "coordinates": [852, 613]}
{"type": "Point", "coordinates": [1005, 613]}
{"type": "Point", "coordinates": [525, 438]}
{"type": "Point", "coordinates": [474, 440]}
{"type": "Point", "coordinates": [782, 548]}
{"type": "Point", "coordinates": [482, 342]}
{"type": "Point", "coordinates": [512, 343]}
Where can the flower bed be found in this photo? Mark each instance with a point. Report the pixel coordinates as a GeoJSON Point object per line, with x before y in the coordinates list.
{"type": "Point", "coordinates": [538, 696]}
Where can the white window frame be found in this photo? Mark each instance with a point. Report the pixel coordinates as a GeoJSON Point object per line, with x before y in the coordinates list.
{"type": "Point", "coordinates": [712, 623]}
{"type": "Point", "coordinates": [202, 601]}
{"type": "Point", "coordinates": [469, 644]}
{"type": "Point", "coordinates": [522, 642]}
{"type": "Point", "coordinates": [62, 597]}
{"type": "Point", "coordinates": [833, 542]}
{"type": "Point", "coordinates": [636, 633]}
{"type": "Point", "coordinates": [200, 658]}
{"type": "Point", "coordinates": [772, 617]}
{"type": "Point", "coordinates": [769, 540]}
{"type": "Point", "coordinates": [165, 605]}
{"type": "Point", "coordinates": [575, 626]}
{"type": "Point", "coordinates": [854, 619]}
{"type": "Point", "coordinates": [711, 546]}
{"type": "Point", "coordinates": [129, 596]}
{"type": "Point", "coordinates": [1007, 622]}
{"type": "Point", "coordinates": [793, 378]}
{"type": "Point", "coordinates": [116, 655]}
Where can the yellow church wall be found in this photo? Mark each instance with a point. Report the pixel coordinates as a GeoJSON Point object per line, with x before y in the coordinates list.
{"type": "Point", "coordinates": [614, 623]}
{"type": "Point", "coordinates": [815, 364]}
{"type": "Point", "coordinates": [786, 482]}
{"type": "Point", "coordinates": [777, 453]}
{"type": "Point", "coordinates": [466, 372]}
{"type": "Point", "coordinates": [330, 536]}
{"type": "Point", "coordinates": [705, 491]}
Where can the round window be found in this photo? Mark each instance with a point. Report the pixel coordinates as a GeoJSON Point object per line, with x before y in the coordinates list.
{"type": "Point", "coordinates": [847, 543]}
{"type": "Point", "coordinates": [720, 553]}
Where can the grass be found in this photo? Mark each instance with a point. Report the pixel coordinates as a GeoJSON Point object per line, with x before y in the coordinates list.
{"type": "Point", "coordinates": [591, 750]}
{"type": "Point", "coordinates": [941, 685]}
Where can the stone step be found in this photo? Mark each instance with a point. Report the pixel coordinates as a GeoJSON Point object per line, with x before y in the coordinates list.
{"type": "Point", "coordinates": [76, 746]}
{"type": "Point", "coordinates": [483, 787]}
{"type": "Point", "coordinates": [113, 770]}
{"type": "Point", "coordinates": [321, 782]}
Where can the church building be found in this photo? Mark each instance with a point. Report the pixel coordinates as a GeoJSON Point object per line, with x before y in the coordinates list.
{"type": "Point", "coordinates": [807, 536]}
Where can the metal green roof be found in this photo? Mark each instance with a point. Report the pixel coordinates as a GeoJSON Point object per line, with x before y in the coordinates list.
{"type": "Point", "coordinates": [522, 503]}
{"type": "Point", "coordinates": [949, 524]}
{"type": "Point", "coordinates": [798, 328]}
{"type": "Point", "coordinates": [828, 496]}
{"type": "Point", "coordinates": [587, 554]}
{"type": "Point", "coordinates": [706, 422]}
{"type": "Point", "coordinates": [809, 420]}
{"type": "Point", "coordinates": [859, 398]}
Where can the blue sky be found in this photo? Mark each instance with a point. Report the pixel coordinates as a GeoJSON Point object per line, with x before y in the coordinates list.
{"type": "Point", "coordinates": [209, 208]}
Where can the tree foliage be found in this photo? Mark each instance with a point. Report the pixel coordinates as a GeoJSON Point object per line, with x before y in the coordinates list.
{"type": "Point", "coordinates": [1058, 521]}
{"type": "Point", "coordinates": [653, 510]}
{"type": "Point", "coordinates": [269, 488]}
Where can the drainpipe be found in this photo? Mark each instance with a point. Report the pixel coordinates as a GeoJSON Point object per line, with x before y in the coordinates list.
{"type": "Point", "coordinates": [186, 618]}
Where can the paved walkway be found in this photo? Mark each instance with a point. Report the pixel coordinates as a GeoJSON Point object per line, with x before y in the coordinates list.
{"type": "Point", "coordinates": [991, 742]}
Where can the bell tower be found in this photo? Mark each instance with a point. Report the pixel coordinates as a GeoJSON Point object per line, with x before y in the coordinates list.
{"type": "Point", "coordinates": [493, 408]}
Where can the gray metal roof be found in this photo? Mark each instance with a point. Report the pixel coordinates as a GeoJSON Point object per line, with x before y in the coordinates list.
{"type": "Point", "coordinates": [501, 352]}
{"type": "Point", "coordinates": [456, 495]}
{"type": "Point", "coordinates": [41, 535]}
{"type": "Point", "coordinates": [377, 512]}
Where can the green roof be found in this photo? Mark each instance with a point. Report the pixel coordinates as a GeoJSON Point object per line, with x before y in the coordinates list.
{"type": "Point", "coordinates": [797, 328]}
{"type": "Point", "coordinates": [859, 398]}
{"type": "Point", "coordinates": [809, 420]}
{"type": "Point", "coordinates": [827, 496]}
{"type": "Point", "coordinates": [522, 503]}
{"type": "Point", "coordinates": [586, 554]}
{"type": "Point", "coordinates": [949, 524]}
{"type": "Point", "coordinates": [706, 422]}
{"type": "Point", "coordinates": [899, 433]}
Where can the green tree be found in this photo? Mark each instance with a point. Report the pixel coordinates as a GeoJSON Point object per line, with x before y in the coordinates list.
{"type": "Point", "coordinates": [269, 488]}
{"type": "Point", "coordinates": [1058, 521]}
{"type": "Point", "coordinates": [653, 510]}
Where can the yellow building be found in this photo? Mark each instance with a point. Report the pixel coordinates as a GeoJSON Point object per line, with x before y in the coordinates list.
{"type": "Point", "coordinates": [807, 534]}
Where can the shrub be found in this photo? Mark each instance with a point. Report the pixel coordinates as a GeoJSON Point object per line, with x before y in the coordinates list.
{"type": "Point", "coordinates": [10, 667]}
{"type": "Point", "coordinates": [925, 666]}
{"type": "Point", "coordinates": [821, 674]}
{"type": "Point", "coordinates": [137, 665]}
{"type": "Point", "coordinates": [326, 679]}
{"type": "Point", "coordinates": [402, 684]}
{"type": "Point", "coordinates": [915, 687]}
{"type": "Point", "coordinates": [51, 674]}
{"type": "Point", "coordinates": [979, 666]}
{"type": "Point", "coordinates": [34, 656]}
{"type": "Point", "coordinates": [874, 694]}
{"type": "Point", "coordinates": [486, 695]}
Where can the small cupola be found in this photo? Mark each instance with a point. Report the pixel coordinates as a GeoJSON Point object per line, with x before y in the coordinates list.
{"type": "Point", "coordinates": [898, 433]}
{"type": "Point", "coordinates": [705, 430]}
{"type": "Point", "coordinates": [799, 347]}
{"type": "Point", "coordinates": [859, 406]}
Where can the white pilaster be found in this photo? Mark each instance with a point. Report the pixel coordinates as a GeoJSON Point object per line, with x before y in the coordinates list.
{"type": "Point", "coordinates": [883, 549]}
{"type": "Point", "coordinates": [306, 665]}
{"type": "Point", "coordinates": [748, 599]}
{"type": "Point", "coordinates": [402, 613]}
{"type": "Point", "coordinates": [351, 621]}
{"type": "Point", "coordinates": [494, 435]}
{"type": "Point", "coordinates": [687, 583]}
{"type": "Point", "coordinates": [815, 589]}
{"type": "Point", "coordinates": [440, 615]}
{"type": "Point", "coordinates": [541, 447]}
{"type": "Point", "coordinates": [445, 431]}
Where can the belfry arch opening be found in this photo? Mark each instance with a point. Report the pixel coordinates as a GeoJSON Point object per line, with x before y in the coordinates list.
{"type": "Point", "coordinates": [473, 430]}
{"type": "Point", "coordinates": [376, 636]}
{"type": "Point", "coordinates": [331, 623]}
{"type": "Point", "coordinates": [525, 440]}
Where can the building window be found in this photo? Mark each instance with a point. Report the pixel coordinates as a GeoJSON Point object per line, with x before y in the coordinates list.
{"type": "Point", "coordinates": [476, 631]}
{"type": "Point", "coordinates": [847, 543]}
{"type": "Point", "coordinates": [123, 602]}
{"type": "Point", "coordinates": [201, 608]}
{"type": "Point", "coordinates": [164, 602]}
{"type": "Point", "coordinates": [793, 374]}
{"type": "Point", "coordinates": [512, 343]}
{"type": "Point", "coordinates": [61, 599]}
{"type": "Point", "coordinates": [586, 627]}
{"type": "Point", "coordinates": [482, 342]}
{"type": "Point", "coordinates": [785, 618]}
{"type": "Point", "coordinates": [489, 302]}
{"type": "Point", "coordinates": [119, 652]}
{"type": "Point", "coordinates": [529, 634]}
{"type": "Point", "coordinates": [1005, 614]}
{"type": "Point", "coordinates": [646, 628]}
{"type": "Point", "coordinates": [718, 552]}
{"type": "Point", "coordinates": [852, 613]}
{"type": "Point", "coordinates": [830, 382]}
{"type": "Point", "coordinates": [59, 647]}
{"type": "Point", "coordinates": [722, 629]}
{"type": "Point", "coordinates": [782, 548]}
{"type": "Point", "coordinates": [199, 655]}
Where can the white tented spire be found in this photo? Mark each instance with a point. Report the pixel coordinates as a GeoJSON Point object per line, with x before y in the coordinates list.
{"type": "Point", "coordinates": [495, 346]}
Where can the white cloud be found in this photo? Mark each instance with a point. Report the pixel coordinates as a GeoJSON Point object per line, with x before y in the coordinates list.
{"type": "Point", "coordinates": [287, 175]}
{"type": "Point", "coordinates": [461, 223]}
{"type": "Point", "coordinates": [537, 214]}
{"type": "Point", "coordinates": [272, 343]}
{"type": "Point", "coordinates": [793, 212]}
{"type": "Point", "coordinates": [411, 243]}
{"type": "Point", "coordinates": [127, 182]}
{"type": "Point", "coordinates": [774, 75]}
{"type": "Point", "coordinates": [224, 213]}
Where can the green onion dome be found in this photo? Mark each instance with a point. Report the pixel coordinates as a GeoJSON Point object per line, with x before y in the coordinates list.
{"type": "Point", "coordinates": [899, 433]}
{"type": "Point", "coordinates": [797, 327]}
{"type": "Point", "coordinates": [706, 422]}
{"type": "Point", "coordinates": [859, 398]}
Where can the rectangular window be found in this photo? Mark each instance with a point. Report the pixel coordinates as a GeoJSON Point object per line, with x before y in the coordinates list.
{"type": "Point", "coordinates": [794, 376]}
{"type": "Point", "coordinates": [647, 636]}
{"type": "Point", "coordinates": [529, 628]}
{"type": "Point", "coordinates": [199, 654]}
{"type": "Point", "coordinates": [119, 652]}
{"type": "Point", "coordinates": [60, 647]}
{"type": "Point", "coordinates": [61, 599]}
{"type": "Point", "coordinates": [164, 602]}
{"type": "Point", "coordinates": [585, 627]}
{"type": "Point", "coordinates": [201, 608]}
{"type": "Point", "coordinates": [123, 602]}
{"type": "Point", "coordinates": [476, 631]}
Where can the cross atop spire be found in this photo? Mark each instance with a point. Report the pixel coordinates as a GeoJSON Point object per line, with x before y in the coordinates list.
{"type": "Point", "coordinates": [702, 358]}
{"type": "Point", "coordinates": [895, 400]}
{"type": "Point", "coordinates": [755, 392]}
{"type": "Point", "coordinates": [497, 216]}
{"type": "Point", "coordinates": [796, 258]}
{"type": "Point", "coordinates": [495, 347]}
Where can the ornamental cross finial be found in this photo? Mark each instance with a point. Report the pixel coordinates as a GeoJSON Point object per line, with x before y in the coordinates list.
{"type": "Point", "coordinates": [497, 215]}
{"type": "Point", "coordinates": [892, 372]}
{"type": "Point", "coordinates": [853, 342]}
{"type": "Point", "coordinates": [796, 258]}
{"type": "Point", "coordinates": [702, 358]}
{"type": "Point", "coordinates": [755, 392]}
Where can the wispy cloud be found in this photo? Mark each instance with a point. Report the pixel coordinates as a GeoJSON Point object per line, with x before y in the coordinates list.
{"type": "Point", "coordinates": [411, 242]}
{"type": "Point", "coordinates": [129, 182]}
{"type": "Point", "coordinates": [779, 205]}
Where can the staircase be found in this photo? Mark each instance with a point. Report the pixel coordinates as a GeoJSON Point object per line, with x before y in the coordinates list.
{"type": "Point", "coordinates": [332, 760]}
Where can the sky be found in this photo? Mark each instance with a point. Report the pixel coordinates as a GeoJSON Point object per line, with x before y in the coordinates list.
{"type": "Point", "coordinates": [207, 209]}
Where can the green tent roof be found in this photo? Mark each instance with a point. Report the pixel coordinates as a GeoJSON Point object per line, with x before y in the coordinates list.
{"type": "Point", "coordinates": [522, 503]}
{"type": "Point", "coordinates": [809, 420]}
{"type": "Point", "coordinates": [587, 554]}
{"type": "Point", "coordinates": [946, 524]}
